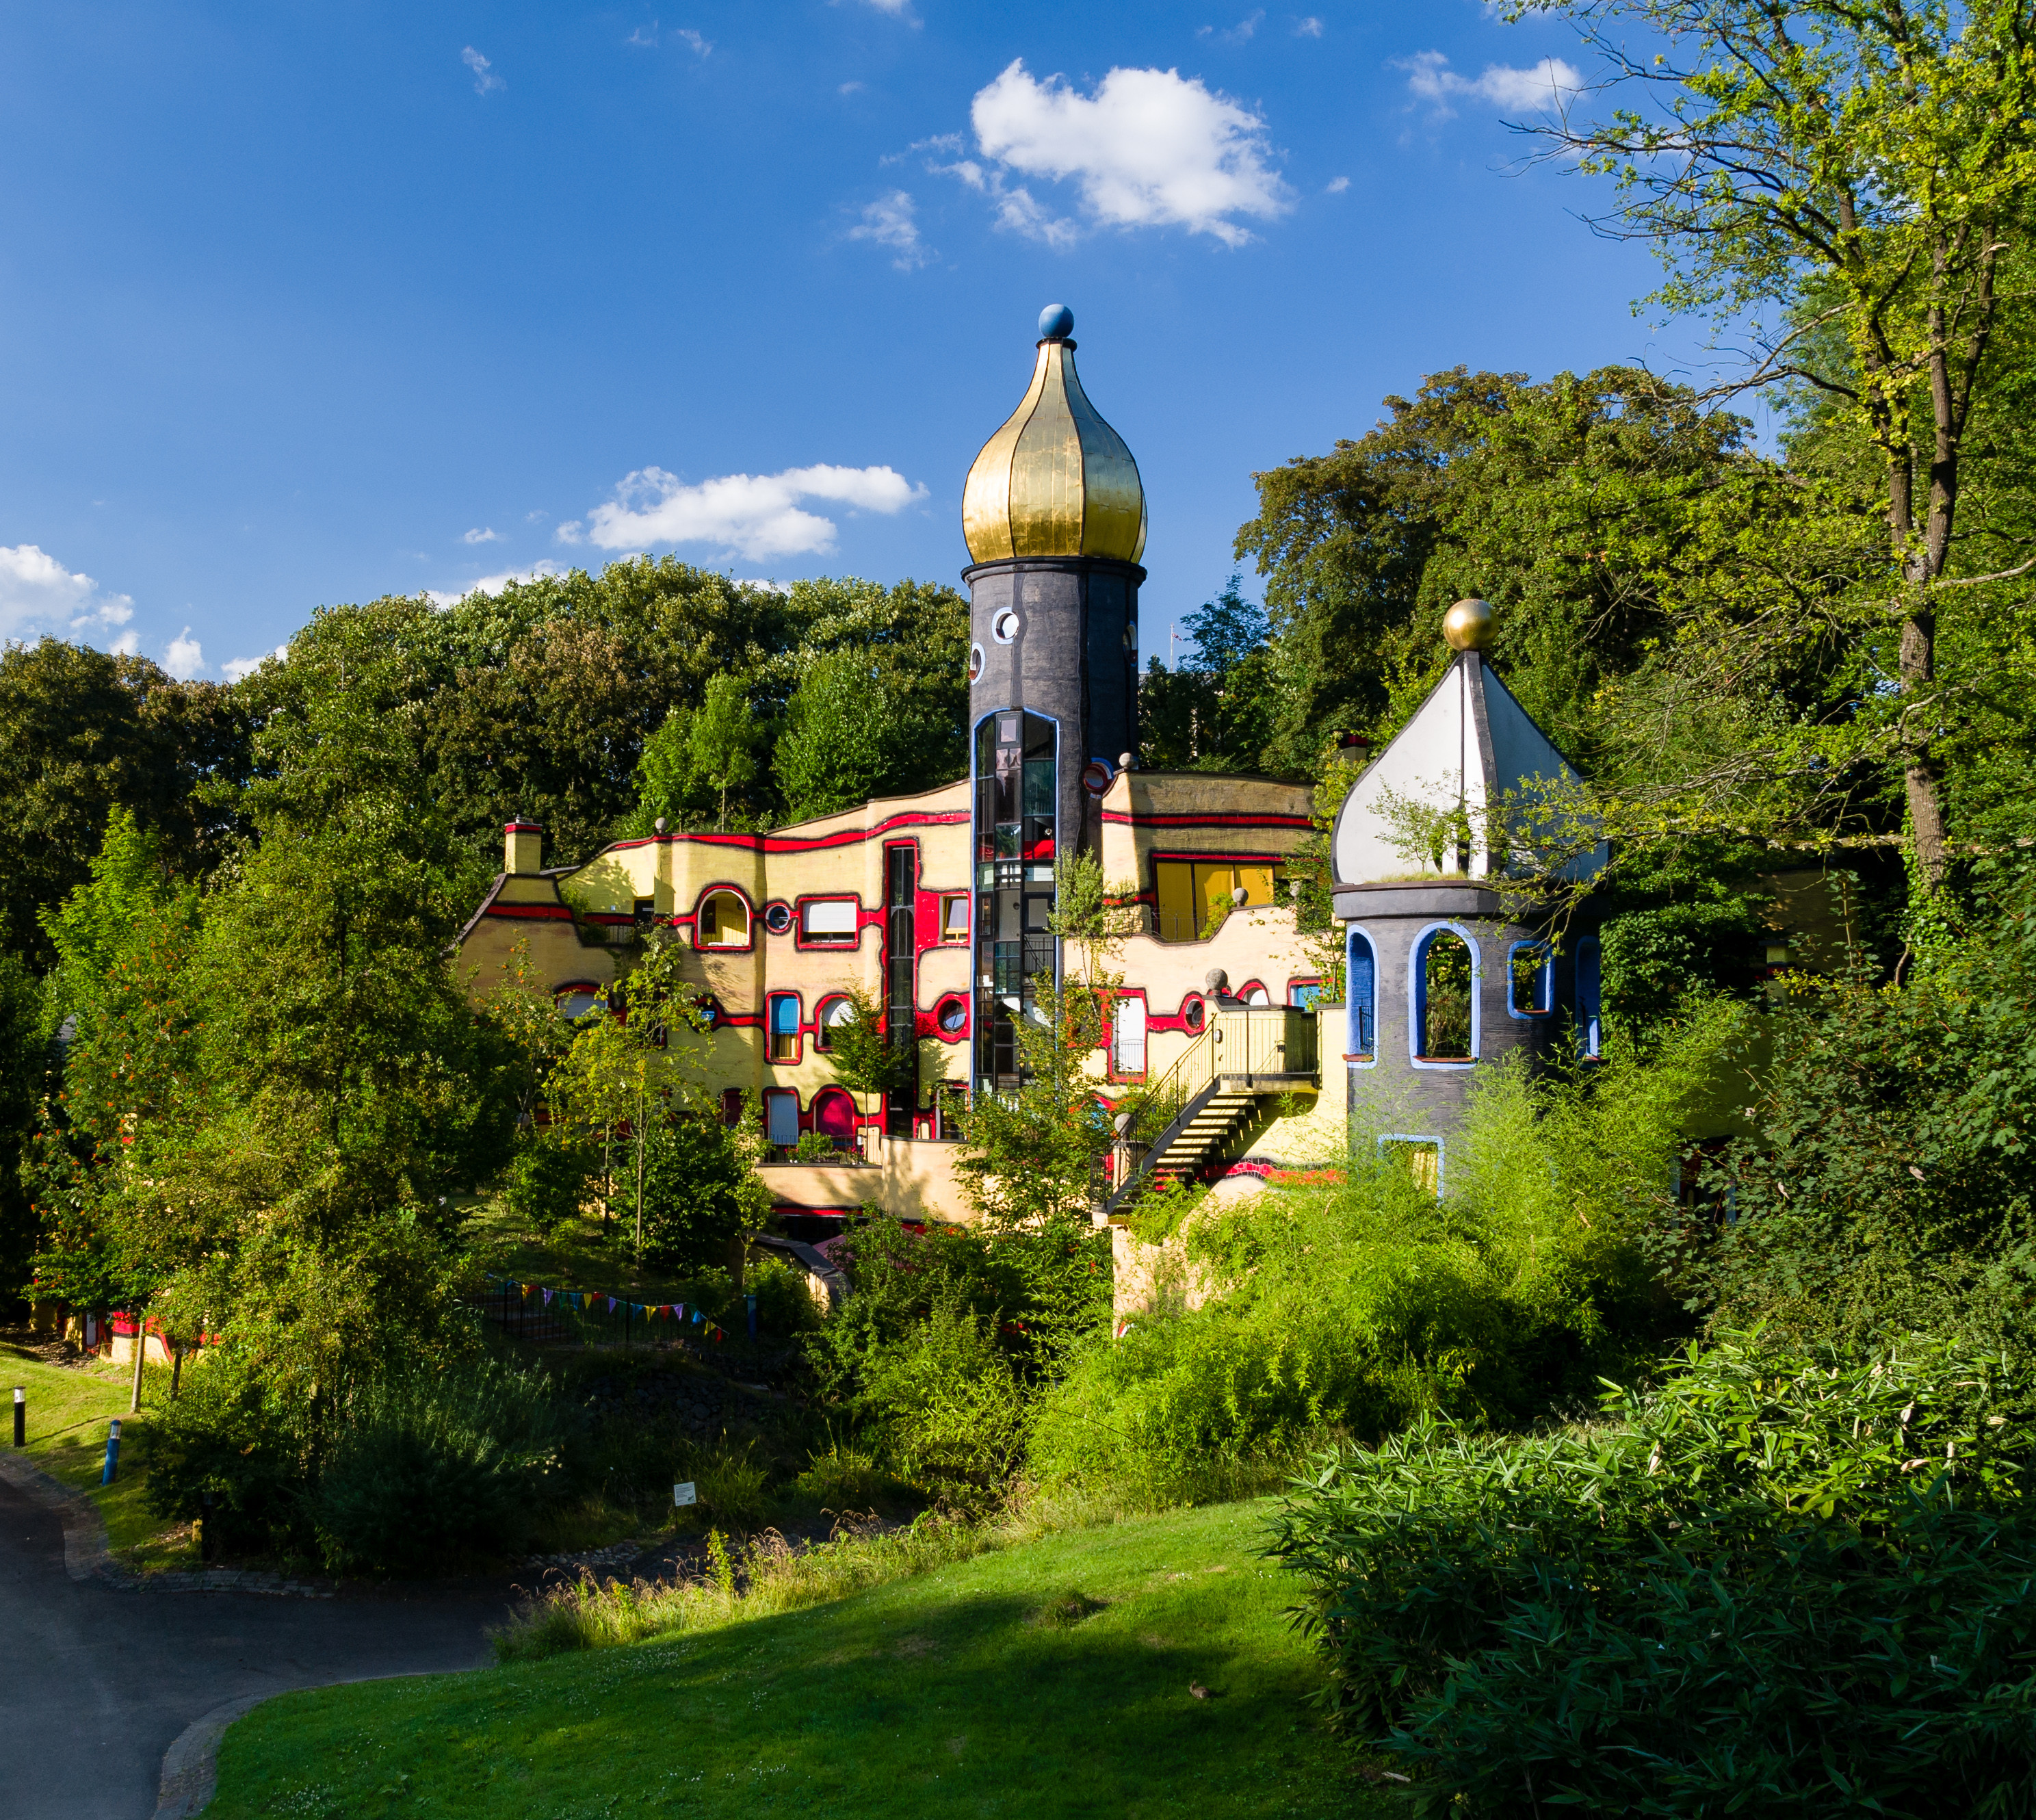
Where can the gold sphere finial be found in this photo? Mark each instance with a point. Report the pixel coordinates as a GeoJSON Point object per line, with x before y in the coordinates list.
{"type": "Point", "coordinates": [1468, 626]}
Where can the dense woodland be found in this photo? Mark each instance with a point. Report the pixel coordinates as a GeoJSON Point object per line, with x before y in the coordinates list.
{"type": "Point", "coordinates": [239, 1084]}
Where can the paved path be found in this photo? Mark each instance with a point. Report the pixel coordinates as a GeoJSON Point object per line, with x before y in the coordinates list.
{"type": "Point", "coordinates": [96, 1683]}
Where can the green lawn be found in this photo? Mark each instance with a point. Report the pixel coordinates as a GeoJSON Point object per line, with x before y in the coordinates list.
{"type": "Point", "coordinates": [69, 1408]}
{"type": "Point", "coordinates": [1050, 1679]}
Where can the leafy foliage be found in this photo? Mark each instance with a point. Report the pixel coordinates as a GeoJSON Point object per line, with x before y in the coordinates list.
{"type": "Point", "coordinates": [1889, 1183]}
{"type": "Point", "coordinates": [1360, 1307]}
{"type": "Point", "coordinates": [1786, 1581]}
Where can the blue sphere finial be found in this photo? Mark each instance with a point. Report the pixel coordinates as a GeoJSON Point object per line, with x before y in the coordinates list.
{"type": "Point", "coordinates": [1056, 322]}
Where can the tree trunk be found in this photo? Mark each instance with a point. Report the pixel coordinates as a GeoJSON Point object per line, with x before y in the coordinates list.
{"type": "Point", "coordinates": [1926, 820]}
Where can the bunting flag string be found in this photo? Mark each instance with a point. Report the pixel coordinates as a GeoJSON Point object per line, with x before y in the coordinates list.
{"type": "Point", "coordinates": [596, 1301]}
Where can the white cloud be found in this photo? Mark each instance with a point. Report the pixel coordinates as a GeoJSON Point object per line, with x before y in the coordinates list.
{"type": "Point", "coordinates": [1147, 149]}
{"type": "Point", "coordinates": [1240, 33]}
{"type": "Point", "coordinates": [1308, 28]}
{"type": "Point", "coordinates": [1335, 186]}
{"type": "Point", "coordinates": [850, 88]}
{"type": "Point", "coordinates": [756, 516]}
{"type": "Point", "coordinates": [488, 584]}
{"type": "Point", "coordinates": [38, 595]}
{"type": "Point", "coordinates": [694, 42]}
{"type": "Point", "coordinates": [484, 79]}
{"type": "Point", "coordinates": [477, 535]}
{"type": "Point", "coordinates": [185, 657]}
{"type": "Point", "coordinates": [892, 9]}
{"type": "Point", "coordinates": [892, 222]}
{"type": "Point", "coordinates": [1430, 78]}
{"type": "Point", "coordinates": [234, 669]}
{"type": "Point", "coordinates": [644, 37]}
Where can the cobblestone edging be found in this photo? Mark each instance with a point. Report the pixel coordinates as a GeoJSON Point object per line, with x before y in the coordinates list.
{"type": "Point", "coordinates": [87, 1557]}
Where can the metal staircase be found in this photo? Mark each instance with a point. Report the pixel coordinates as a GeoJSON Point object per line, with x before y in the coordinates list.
{"type": "Point", "coordinates": [1221, 1087]}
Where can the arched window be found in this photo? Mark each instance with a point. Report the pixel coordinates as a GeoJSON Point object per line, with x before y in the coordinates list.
{"type": "Point", "coordinates": [1361, 994]}
{"type": "Point", "coordinates": [1590, 1012]}
{"type": "Point", "coordinates": [829, 1017]}
{"type": "Point", "coordinates": [576, 1000]}
{"type": "Point", "coordinates": [1530, 979]}
{"type": "Point", "coordinates": [723, 921]}
{"type": "Point", "coordinates": [1442, 982]}
{"type": "Point", "coordinates": [833, 1117]}
{"type": "Point", "coordinates": [1253, 992]}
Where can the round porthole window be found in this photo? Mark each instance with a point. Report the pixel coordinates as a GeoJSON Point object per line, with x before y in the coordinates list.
{"type": "Point", "coordinates": [778, 918]}
{"type": "Point", "coordinates": [1191, 1012]}
{"type": "Point", "coordinates": [1131, 635]}
{"type": "Point", "coordinates": [952, 1015]}
{"type": "Point", "coordinates": [975, 663]}
{"type": "Point", "coordinates": [1096, 776]}
{"type": "Point", "coordinates": [1005, 627]}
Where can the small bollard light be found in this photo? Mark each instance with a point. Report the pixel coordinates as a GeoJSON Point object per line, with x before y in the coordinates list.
{"type": "Point", "coordinates": [112, 1453]}
{"type": "Point", "coordinates": [20, 1415]}
{"type": "Point", "coordinates": [751, 1301]}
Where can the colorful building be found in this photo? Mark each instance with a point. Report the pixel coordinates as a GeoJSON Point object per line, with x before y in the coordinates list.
{"type": "Point", "coordinates": [937, 905]}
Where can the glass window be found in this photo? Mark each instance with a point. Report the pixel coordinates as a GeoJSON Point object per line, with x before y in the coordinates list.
{"type": "Point", "coordinates": [829, 920]}
{"type": "Point", "coordinates": [954, 920]}
{"type": "Point", "coordinates": [1130, 1036]}
{"type": "Point", "coordinates": [1444, 1010]}
{"type": "Point", "coordinates": [1590, 1012]}
{"type": "Point", "coordinates": [952, 1015]}
{"type": "Point", "coordinates": [575, 1002]}
{"type": "Point", "coordinates": [784, 1027]}
{"type": "Point", "coordinates": [1422, 1158]}
{"type": "Point", "coordinates": [1302, 994]}
{"type": "Point", "coordinates": [1191, 894]}
{"type": "Point", "coordinates": [1361, 990]}
{"type": "Point", "coordinates": [1253, 993]}
{"type": "Point", "coordinates": [781, 1119]}
{"type": "Point", "coordinates": [828, 1017]}
{"type": "Point", "coordinates": [723, 921]}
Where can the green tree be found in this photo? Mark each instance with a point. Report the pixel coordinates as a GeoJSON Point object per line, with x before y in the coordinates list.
{"type": "Point", "coordinates": [82, 733]}
{"type": "Point", "coordinates": [1863, 168]}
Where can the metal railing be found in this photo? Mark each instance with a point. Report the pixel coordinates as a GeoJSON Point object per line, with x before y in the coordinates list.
{"type": "Point", "coordinates": [1249, 1045]}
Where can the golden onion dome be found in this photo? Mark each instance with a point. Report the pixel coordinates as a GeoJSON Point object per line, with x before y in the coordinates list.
{"type": "Point", "coordinates": [1056, 480]}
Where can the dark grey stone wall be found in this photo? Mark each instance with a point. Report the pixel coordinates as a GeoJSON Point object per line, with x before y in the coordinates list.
{"type": "Point", "coordinates": [1430, 1101]}
{"type": "Point", "coordinates": [1073, 656]}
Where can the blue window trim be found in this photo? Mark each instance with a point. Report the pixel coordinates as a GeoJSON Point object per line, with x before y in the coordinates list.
{"type": "Point", "coordinates": [1590, 998]}
{"type": "Point", "coordinates": [1385, 1138]}
{"type": "Point", "coordinates": [1545, 979]}
{"type": "Point", "coordinates": [1416, 974]}
{"type": "Point", "coordinates": [1358, 1007]}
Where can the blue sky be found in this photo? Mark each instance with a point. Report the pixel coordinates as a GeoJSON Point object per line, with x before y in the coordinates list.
{"type": "Point", "coordinates": [305, 304]}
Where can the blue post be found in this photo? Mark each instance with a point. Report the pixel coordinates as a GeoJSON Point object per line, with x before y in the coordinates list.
{"type": "Point", "coordinates": [112, 1453]}
{"type": "Point", "coordinates": [751, 1301]}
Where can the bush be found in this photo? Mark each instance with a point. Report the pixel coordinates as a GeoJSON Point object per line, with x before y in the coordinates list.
{"type": "Point", "coordinates": [222, 1454]}
{"type": "Point", "coordinates": [1781, 1583]}
{"type": "Point", "coordinates": [430, 1469]}
{"type": "Point", "coordinates": [1361, 1307]}
{"type": "Point", "coordinates": [1891, 1183]}
{"type": "Point", "coordinates": [785, 1307]}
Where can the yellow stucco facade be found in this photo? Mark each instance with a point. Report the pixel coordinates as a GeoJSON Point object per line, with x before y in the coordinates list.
{"type": "Point", "coordinates": [776, 926]}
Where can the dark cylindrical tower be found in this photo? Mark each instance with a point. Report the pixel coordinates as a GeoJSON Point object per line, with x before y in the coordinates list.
{"type": "Point", "coordinates": [1054, 515]}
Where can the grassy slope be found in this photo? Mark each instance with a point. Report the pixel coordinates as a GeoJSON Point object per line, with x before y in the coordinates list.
{"type": "Point", "coordinates": [946, 1694]}
{"type": "Point", "coordinates": [69, 1408]}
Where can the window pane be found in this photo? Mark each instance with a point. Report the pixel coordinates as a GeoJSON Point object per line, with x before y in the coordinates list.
{"type": "Point", "coordinates": [783, 1115]}
{"type": "Point", "coordinates": [829, 916]}
{"type": "Point", "coordinates": [1130, 1014]}
{"type": "Point", "coordinates": [1175, 880]}
{"type": "Point", "coordinates": [955, 925]}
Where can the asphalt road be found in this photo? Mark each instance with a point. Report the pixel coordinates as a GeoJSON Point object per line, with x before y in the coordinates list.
{"type": "Point", "coordinates": [96, 1683]}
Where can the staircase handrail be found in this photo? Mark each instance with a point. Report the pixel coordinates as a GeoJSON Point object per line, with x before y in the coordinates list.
{"type": "Point", "coordinates": [1251, 1041]}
